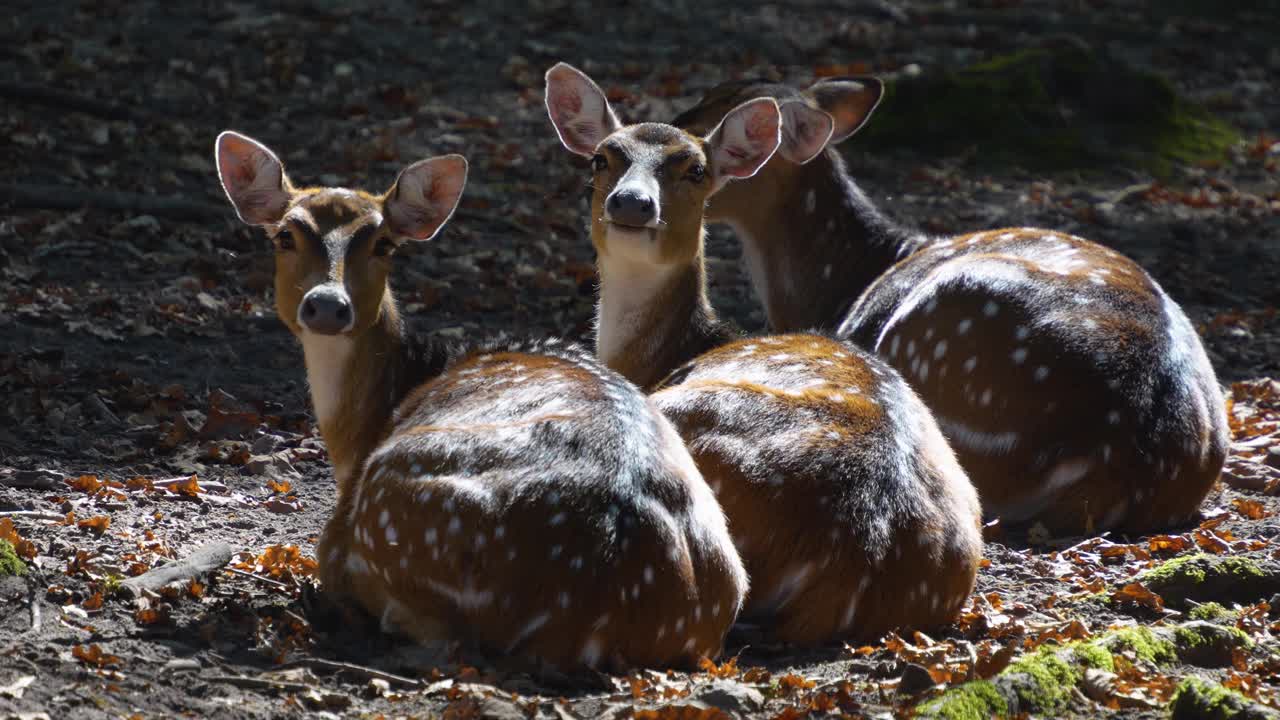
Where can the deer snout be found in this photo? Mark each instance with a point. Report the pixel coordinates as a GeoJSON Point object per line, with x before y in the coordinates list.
{"type": "Point", "coordinates": [326, 310]}
{"type": "Point", "coordinates": [631, 206]}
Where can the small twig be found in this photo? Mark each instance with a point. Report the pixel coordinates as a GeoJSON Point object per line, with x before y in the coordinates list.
{"type": "Point", "coordinates": [37, 95]}
{"type": "Point", "coordinates": [39, 479]}
{"type": "Point", "coordinates": [34, 605]}
{"type": "Point", "coordinates": [366, 672]}
{"type": "Point", "coordinates": [168, 483]}
{"type": "Point", "coordinates": [70, 197]}
{"type": "Point", "coordinates": [32, 515]}
{"type": "Point", "coordinates": [258, 683]}
{"type": "Point", "coordinates": [204, 559]}
{"type": "Point", "coordinates": [259, 578]}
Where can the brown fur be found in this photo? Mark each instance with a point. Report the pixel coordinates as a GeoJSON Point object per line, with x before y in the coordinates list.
{"type": "Point", "coordinates": [844, 500]}
{"type": "Point", "coordinates": [821, 254]}
{"type": "Point", "coordinates": [501, 495]}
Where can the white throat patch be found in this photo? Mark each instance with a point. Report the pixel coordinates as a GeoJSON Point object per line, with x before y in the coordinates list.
{"type": "Point", "coordinates": [326, 357]}
{"type": "Point", "coordinates": [628, 292]}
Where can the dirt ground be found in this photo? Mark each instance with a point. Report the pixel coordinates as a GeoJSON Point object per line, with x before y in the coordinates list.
{"type": "Point", "coordinates": [141, 348]}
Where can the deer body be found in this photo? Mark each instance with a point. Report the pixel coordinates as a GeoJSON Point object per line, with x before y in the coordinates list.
{"type": "Point", "coordinates": [1073, 389]}
{"type": "Point", "coordinates": [517, 495]}
{"type": "Point", "coordinates": [850, 511]}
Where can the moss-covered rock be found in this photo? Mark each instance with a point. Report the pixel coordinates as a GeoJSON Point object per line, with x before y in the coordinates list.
{"type": "Point", "coordinates": [1044, 682]}
{"type": "Point", "coordinates": [1209, 611]}
{"type": "Point", "coordinates": [1208, 645]}
{"type": "Point", "coordinates": [1204, 578]}
{"type": "Point", "coordinates": [10, 563]}
{"type": "Point", "coordinates": [1145, 645]}
{"type": "Point", "coordinates": [1196, 699]}
{"type": "Point", "coordinates": [1059, 108]}
{"type": "Point", "coordinates": [979, 700]}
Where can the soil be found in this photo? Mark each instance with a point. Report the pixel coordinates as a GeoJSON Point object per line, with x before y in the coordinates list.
{"type": "Point", "coordinates": [141, 345]}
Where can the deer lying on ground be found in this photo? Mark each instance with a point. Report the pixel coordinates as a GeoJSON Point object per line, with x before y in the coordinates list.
{"type": "Point", "coordinates": [850, 510]}
{"type": "Point", "coordinates": [517, 495]}
{"type": "Point", "coordinates": [1073, 389]}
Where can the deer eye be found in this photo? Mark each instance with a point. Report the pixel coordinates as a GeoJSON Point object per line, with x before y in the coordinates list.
{"type": "Point", "coordinates": [284, 240]}
{"type": "Point", "coordinates": [599, 163]}
{"type": "Point", "coordinates": [385, 247]}
{"type": "Point", "coordinates": [696, 172]}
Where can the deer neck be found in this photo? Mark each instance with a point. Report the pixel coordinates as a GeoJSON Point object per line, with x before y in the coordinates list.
{"type": "Point", "coordinates": [814, 242]}
{"type": "Point", "coordinates": [357, 382]}
{"type": "Point", "coordinates": [652, 318]}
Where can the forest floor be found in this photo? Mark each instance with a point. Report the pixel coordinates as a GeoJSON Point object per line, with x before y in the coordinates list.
{"type": "Point", "coordinates": [141, 347]}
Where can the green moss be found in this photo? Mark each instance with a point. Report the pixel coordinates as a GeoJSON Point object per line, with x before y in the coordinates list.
{"type": "Point", "coordinates": [1058, 108]}
{"type": "Point", "coordinates": [1142, 642]}
{"type": "Point", "coordinates": [10, 563]}
{"type": "Point", "coordinates": [1093, 655]}
{"type": "Point", "coordinates": [1052, 678]}
{"type": "Point", "coordinates": [1204, 577]}
{"type": "Point", "coordinates": [977, 700]}
{"type": "Point", "coordinates": [1189, 569]}
{"type": "Point", "coordinates": [1209, 611]}
{"type": "Point", "coordinates": [1200, 700]}
{"type": "Point", "coordinates": [1191, 638]}
{"type": "Point", "coordinates": [1043, 681]}
{"type": "Point", "coordinates": [111, 584]}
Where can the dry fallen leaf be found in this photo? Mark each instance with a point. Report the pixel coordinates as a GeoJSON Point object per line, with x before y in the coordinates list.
{"type": "Point", "coordinates": [24, 548]}
{"type": "Point", "coordinates": [1252, 509]}
{"type": "Point", "coordinates": [97, 524]}
{"type": "Point", "coordinates": [1140, 595]}
{"type": "Point", "coordinates": [93, 655]}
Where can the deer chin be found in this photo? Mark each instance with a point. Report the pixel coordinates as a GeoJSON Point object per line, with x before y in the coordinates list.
{"type": "Point", "coordinates": [632, 243]}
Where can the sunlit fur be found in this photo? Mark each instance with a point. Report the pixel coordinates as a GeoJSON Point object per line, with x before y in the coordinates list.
{"type": "Point", "coordinates": [518, 495]}
{"type": "Point", "coordinates": [850, 511]}
{"type": "Point", "coordinates": [1084, 401]}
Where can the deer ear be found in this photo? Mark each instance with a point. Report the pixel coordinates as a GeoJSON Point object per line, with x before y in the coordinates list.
{"type": "Point", "coordinates": [805, 131]}
{"type": "Point", "coordinates": [424, 196]}
{"type": "Point", "coordinates": [849, 102]}
{"type": "Point", "coordinates": [578, 109]}
{"type": "Point", "coordinates": [745, 140]}
{"type": "Point", "coordinates": [253, 178]}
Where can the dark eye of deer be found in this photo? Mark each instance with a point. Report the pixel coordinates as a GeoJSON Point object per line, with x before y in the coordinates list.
{"type": "Point", "coordinates": [284, 240]}
{"type": "Point", "coordinates": [384, 248]}
{"type": "Point", "coordinates": [695, 173]}
{"type": "Point", "coordinates": [599, 163]}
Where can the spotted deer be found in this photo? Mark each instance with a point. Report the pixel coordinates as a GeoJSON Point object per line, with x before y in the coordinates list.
{"type": "Point", "coordinates": [1073, 389]}
{"type": "Point", "coordinates": [850, 510]}
{"type": "Point", "coordinates": [517, 495]}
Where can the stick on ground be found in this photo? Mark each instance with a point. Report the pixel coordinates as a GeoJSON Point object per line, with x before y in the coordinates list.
{"type": "Point", "coordinates": [204, 559]}
{"type": "Point", "coordinates": [70, 197]}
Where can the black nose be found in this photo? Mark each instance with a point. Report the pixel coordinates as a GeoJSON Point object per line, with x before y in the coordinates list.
{"type": "Point", "coordinates": [325, 310]}
{"type": "Point", "coordinates": [631, 207]}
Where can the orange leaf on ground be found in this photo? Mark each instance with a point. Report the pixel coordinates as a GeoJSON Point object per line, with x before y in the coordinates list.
{"type": "Point", "coordinates": [1138, 594]}
{"type": "Point", "coordinates": [86, 483]}
{"type": "Point", "coordinates": [93, 603]}
{"type": "Point", "coordinates": [1252, 509]}
{"type": "Point", "coordinates": [189, 487]}
{"type": "Point", "coordinates": [25, 548]}
{"type": "Point", "coordinates": [93, 655]}
{"type": "Point", "coordinates": [97, 524]}
{"type": "Point", "coordinates": [1169, 543]}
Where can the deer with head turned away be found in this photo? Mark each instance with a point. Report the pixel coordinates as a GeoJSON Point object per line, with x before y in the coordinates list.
{"type": "Point", "coordinates": [1072, 387]}
{"type": "Point", "coordinates": [848, 507]}
{"type": "Point", "coordinates": [517, 495]}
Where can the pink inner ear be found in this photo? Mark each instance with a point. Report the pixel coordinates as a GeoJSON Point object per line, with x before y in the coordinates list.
{"type": "Point", "coordinates": [761, 126]}
{"type": "Point", "coordinates": [242, 173]}
{"type": "Point", "coordinates": [567, 105]}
